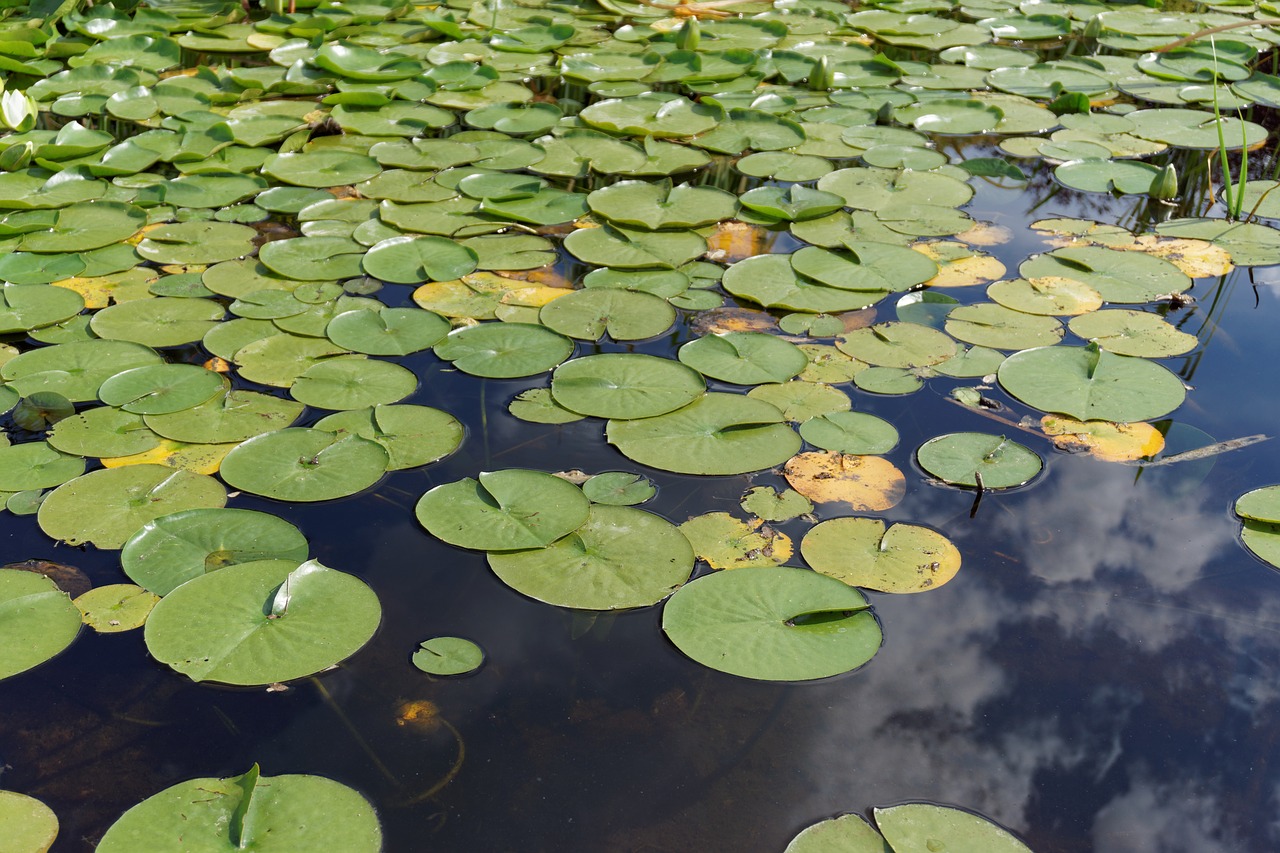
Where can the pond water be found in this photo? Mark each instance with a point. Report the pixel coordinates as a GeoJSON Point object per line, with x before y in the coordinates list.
{"type": "Point", "coordinates": [1101, 674]}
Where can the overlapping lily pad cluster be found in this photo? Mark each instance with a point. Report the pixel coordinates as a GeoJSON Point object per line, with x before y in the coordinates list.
{"type": "Point", "coordinates": [209, 219]}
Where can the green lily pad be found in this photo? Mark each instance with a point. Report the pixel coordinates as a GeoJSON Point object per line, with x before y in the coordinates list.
{"type": "Point", "coordinates": [770, 280]}
{"type": "Point", "coordinates": [626, 248]}
{"type": "Point", "coordinates": [116, 607]}
{"type": "Point", "coordinates": [1126, 332]}
{"type": "Point", "coordinates": [164, 321]}
{"type": "Point", "coordinates": [619, 558]}
{"type": "Point", "coordinates": [504, 350]}
{"type": "Point", "coordinates": [856, 433]}
{"type": "Point", "coordinates": [103, 431]}
{"type": "Point", "coordinates": [724, 542]}
{"type": "Point", "coordinates": [204, 815]}
{"type": "Point", "coordinates": [772, 624]}
{"type": "Point", "coordinates": [801, 401]}
{"type": "Point", "coordinates": [1090, 384]}
{"type": "Point", "coordinates": [848, 833]}
{"type": "Point", "coordinates": [1048, 296]}
{"type": "Point", "coordinates": [161, 388]}
{"type": "Point", "coordinates": [625, 386]}
{"type": "Point", "coordinates": [391, 331]}
{"type": "Point", "coordinates": [861, 552]}
{"type": "Point", "coordinates": [36, 465]}
{"type": "Point", "coordinates": [75, 370]}
{"type": "Point", "coordinates": [960, 458]}
{"type": "Point", "coordinates": [298, 464]}
{"type": "Point", "coordinates": [769, 504]}
{"type": "Point", "coordinates": [1250, 243]}
{"type": "Point", "coordinates": [796, 203]}
{"type": "Point", "coordinates": [32, 827]}
{"type": "Point", "coordinates": [313, 258]}
{"type": "Point", "coordinates": [414, 259]}
{"type": "Point", "coordinates": [538, 406]}
{"type": "Point", "coordinates": [715, 434]}
{"type": "Point", "coordinates": [661, 115]}
{"type": "Point", "coordinates": [503, 510]}
{"type": "Point", "coordinates": [321, 168]}
{"type": "Point", "coordinates": [744, 358]}
{"type": "Point", "coordinates": [448, 656]}
{"type": "Point", "coordinates": [865, 266]}
{"type": "Point", "coordinates": [656, 206]}
{"type": "Point", "coordinates": [922, 827]}
{"type": "Point", "coordinates": [619, 488]}
{"type": "Point", "coordinates": [1120, 277]}
{"type": "Point", "coordinates": [197, 243]}
{"type": "Point", "coordinates": [107, 507]}
{"type": "Point", "coordinates": [280, 359]}
{"type": "Point", "coordinates": [40, 410]}
{"type": "Point", "coordinates": [991, 325]}
{"type": "Point", "coordinates": [223, 419]}
{"type": "Point", "coordinates": [172, 549]}
{"type": "Point", "coordinates": [262, 622]}
{"type": "Point", "coordinates": [38, 619]}
{"type": "Point", "coordinates": [28, 306]}
{"type": "Point", "coordinates": [900, 345]}
{"type": "Point", "coordinates": [411, 435]}
{"type": "Point", "coordinates": [1104, 176]}
{"type": "Point", "coordinates": [1260, 505]}
{"type": "Point", "coordinates": [624, 315]}
{"type": "Point", "coordinates": [353, 382]}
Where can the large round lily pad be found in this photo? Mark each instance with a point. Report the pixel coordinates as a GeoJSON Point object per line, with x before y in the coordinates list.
{"type": "Point", "coordinates": [504, 350]}
{"type": "Point", "coordinates": [625, 385]}
{"type": "Point", "coordinates": [744, 358]}
{"type": "Point", "coordinates": [173, 549]}
{"type": "Point", "coordinates": [262, 622]}
{"type": "Point", "coordinates": [298, 464]}
{"type": "Point", "coordinates": [715, 434]}
{"type": "Point", "coordinates": [37, 619]}
{"type": "Point", "coordinates": [619, 558]}
{"type": "Point", "coordinates": [862, 553]}
{"type": "Point", "coordinates": [773, 624]}
{"type": "Point", "coordinates": [353, 382]}
{"type": "Point", "coordinates": [1091, 384]}
{"type": "Point", "coordinates": [107, 507]}
{"type": "Point", "coordinates": [248, 812]}
{"type": "Point", "coordinates": [978, 459]}
{"type": "Point", "coordinates": [162, 388]}
{"type": "Point", "coordinates": [503, 510]}
{"type": "Point", "coordinates": [925, 827]}
{"type": "Point", "coordinates": [30, 825]}
{"type": "Point", "coordinates": [225, 419]}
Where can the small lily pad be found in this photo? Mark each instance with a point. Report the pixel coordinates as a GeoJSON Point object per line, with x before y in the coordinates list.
{"type": "Point", "coordinates": [921, 827]}
{"type": "Point", "coordinates": [862, 553]}
{"type": "Point", "coordinates": [448, 656]}
{"type": "Point", "coordinates": [116, 607]}
{"type": "Point", "coordinates": [961, 458]}
{"type": "Point", "coordinates": [619, 488]}
{"type": "Point", "coordinates": [38, 620]}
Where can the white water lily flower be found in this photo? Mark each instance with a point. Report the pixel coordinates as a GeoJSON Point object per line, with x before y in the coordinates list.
{"type": "Point", "coordinates": [18, 111]}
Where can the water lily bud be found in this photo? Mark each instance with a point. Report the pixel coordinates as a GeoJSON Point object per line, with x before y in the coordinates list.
{"type": "Point", "coordinates": [822, 75]}
{"type": "Point", "coordinates": [1164, 186]}
{"type": "Point", "coordinates": [16, 157]}
{"type": "Point", "coordinates": [689, 35]}
{"type": "Point", "coordinates": [1093, 29]}
{"type": "Point", "coordinates": [18, 111]}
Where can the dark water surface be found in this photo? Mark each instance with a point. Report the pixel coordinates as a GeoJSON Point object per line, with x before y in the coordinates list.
{"type": "Point", "coordinates": [1102, 675]}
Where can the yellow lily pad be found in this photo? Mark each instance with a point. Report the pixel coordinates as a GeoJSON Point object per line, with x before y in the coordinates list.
{"type": "Point", "coordinates": [197, 458]}
{"type": "Point", "coordinates": [867, 483]}
{"type": "Point", "coordinates": [863, 553]}
{"type": "Point", "coordinates": [117, 607]}
{"type": "Point", "coordinates": [1104, 440]}
{"type": "Point", "coordinates": [725, 542]}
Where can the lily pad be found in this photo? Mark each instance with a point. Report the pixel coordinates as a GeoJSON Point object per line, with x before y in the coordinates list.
{"type": "Point", "coordinates": [353, 383]}
{"type": "Point", "coordinates": [391, 331]}
{"type": "Point", "coordinates": [772, 624]}
{"type": "Point", "coordinates": [36, 465]}
{"type": "Point", "coordinates": [725, 542]}
{"type": "Point", "coordinates": [503, 510]}
{"type": "Point", "coordinates": [414, 259]}
{"type": "Point", "coordinates": [898, 345]}
{"type": "Point", "coordinates": [1126, 332]}
{"type": "Point", "coordinates": [625, 315]}
{"type": "Point", "coordinates": [625, 386]}
{"type": "Point", "coordinates": [448, 656]}
{"type": "Point", "coordinates": [304, 465]}
{"type": "Point", "coordinates": [74, 370]}
{"type": "Point", "coordinates": [162, 388]}
{"type": "Point", "coordinates": [856, 433]}
{"type": "Point", "coordinates": [862, 553]}
{"type": "Point", "coordinates": [172, 549]}
{"type": "Point", "coordinates": [107, 507]}
{"type": "Point", "coordinates": [504, 350]}
{"type": "Point", "coordinates": [848, 833]}
{"type": "Point", "coordinates": [744, 358]}
{"type": "Point", "coordinates": [31, 826]}
{"type": "Point", "coordinates": [165, 321]}
{"type": "Point", "coordinates": [619, 488]}
{"type": "Point", "coordinates": [964, 458]}
{"type": "Point", "coordinates": [655, 206]}
{"type": "Point", "coordinates": [103, 431]}
{"type": "Point", "coordinates": [619, 558]}
{"type": "Point", "coordinates": [38, 619]}
{"type": "Point", "coordinates": [227, 418]}
{"type": "Point", "coordinates": [1091, 384]}
{"type": "Point", "coordinates": [116, 607]}
{"type": "Point", "coordinates": [204, 815]}
{"type": "Point", "coordinates": [866, 483]}
{"type": "Point", "coordinates": [715, 434]}
{"type": "Point", "coordinates": [924, 827]}
{"type": "Point", "coordinates": [411, 435]}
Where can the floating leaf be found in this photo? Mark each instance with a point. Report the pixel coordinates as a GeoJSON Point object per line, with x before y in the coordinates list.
{"type": "Point", "coordinates": [1089, 384]}
{"type": "Point", "coordinates": [725, 542]}
{"type": "Point", "coordinates": [411, 435]}
{"type": "Point", "coordinates": [965, 458]}
{"type": "Point", "coordinates": [503, 510]}
{"type": "Point", "coordinates": [619, 558]}
{"type": "Point", "coordinates": [866, 483]}
{"type": "Point", "coordinates": [38, 620]}
{"type": "Point", "coordinates": [298, 464]}
{"type": "Point", "coordinates": [769, 504]}
{"type": "Point", "coordinates": [619, 488]}
{"type": "Point", "coordinates": [772, 624]}
{"type": "Point", "coordinates": [116, 607]}
{"type": "Point", "coordinates": [715, 434]}
{"type": "Point", "coordinates": [30, 825]}
{"type": "Point", "coordinates": [920, 827]}
{"type": "Point", "coordinates": [239, 812]}
{"type": "Point", "coordinates": [624, 315]}
{"type": "Point", "coordinates": [851, 433]}
{"type": "Point", "coordinates": [504, 350]}
{"type": "Point", "coordinates": [1126, 332]}
{"type": "Point", "coordinates": [448, 656]}
{"type": "Point", "coordinates": [106, 507]}
{"type": "Point", "coordinates": [862, 553]}
{"type": "Point", "coordinates": [1103, 439]}
{"type": "Point", "coordinates": [172, 549]}
{"type": "Point", "coordinates": [898, 345]}
{"type": "Point", "coordinates": [744, 358]}
{"type": "Point", "coordinates": [625, 386]}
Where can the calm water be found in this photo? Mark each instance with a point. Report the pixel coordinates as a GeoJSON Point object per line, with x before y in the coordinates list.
{"type": "Point", "coordinates": [1102, 675]}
